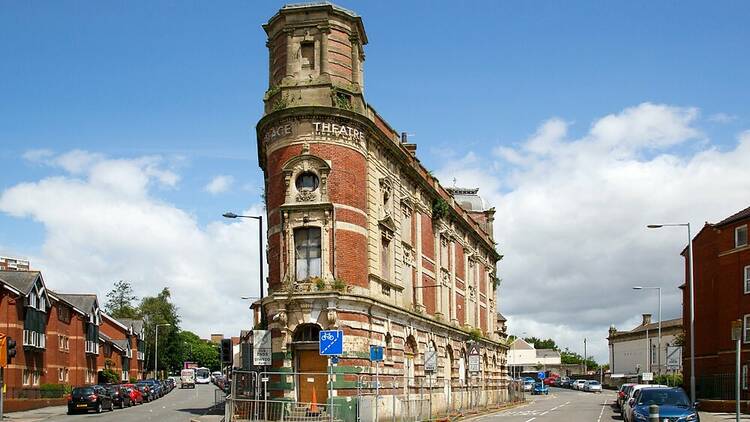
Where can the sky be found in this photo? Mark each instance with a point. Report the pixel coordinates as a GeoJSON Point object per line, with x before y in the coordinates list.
{"type": "Point", "coordinates": [127, 129]}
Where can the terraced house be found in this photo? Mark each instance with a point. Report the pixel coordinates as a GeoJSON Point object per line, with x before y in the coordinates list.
{"type": "Point", "coordinates": [362, 237]}
{"type": "Point", "coordinates": [62, 338]}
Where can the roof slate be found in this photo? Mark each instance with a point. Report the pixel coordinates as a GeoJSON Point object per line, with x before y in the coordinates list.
{"type": "Point", "coordinates": [137, 324]}
{"type": "Point", "coordinates": [83, 301]}
{"type": "Point", "coordinates": [22, 281]}
{"type": "Point", "coordinates": [735, 217]}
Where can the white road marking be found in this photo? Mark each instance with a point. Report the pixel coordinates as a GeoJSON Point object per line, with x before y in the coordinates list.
{"type": "Point", "coordinates": [530, 420]}
{"type": "Point", "coordinates": [602, 412]}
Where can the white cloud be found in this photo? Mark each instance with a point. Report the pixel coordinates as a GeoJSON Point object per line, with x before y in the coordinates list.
{"type": "Point", "coordinates": [721, 118]}
{"type": "Point", "coordinates": [103, 223]}
{"type": "Point", "coordinates": [37, 155]}
{"type": "Point", "coordinates": [572, 213]}
{"type": "Point", "coordinates": [219, 184]}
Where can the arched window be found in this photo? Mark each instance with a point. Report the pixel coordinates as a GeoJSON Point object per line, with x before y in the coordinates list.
{"type": "Point", "coordinates": [307, 181]}
{"type": "Point", "coordinates": [410, 351]}
{"type": "Point", "coordinates": [306, 332]}
{"type": "Point", "coordinates": [448, 367]}
{"type": "Point", "coordinates": [462, 368]}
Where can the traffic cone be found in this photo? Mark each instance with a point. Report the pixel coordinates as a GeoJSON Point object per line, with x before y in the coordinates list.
{"type": "Point", "coordinates": [314, 407]}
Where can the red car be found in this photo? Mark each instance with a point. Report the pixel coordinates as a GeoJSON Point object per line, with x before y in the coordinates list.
{"type": "Point", "coordinates": [136, 397]}
{"type": "Point", "coordinates": [553, 381]}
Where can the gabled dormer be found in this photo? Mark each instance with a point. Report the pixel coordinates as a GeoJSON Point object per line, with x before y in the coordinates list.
{"type": "Point", "coordinates": [89, 305]}
{"type": "Point", "coordinates": [32, 293]}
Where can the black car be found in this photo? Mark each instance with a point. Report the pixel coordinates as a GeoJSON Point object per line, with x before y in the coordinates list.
{"type": "Point", "coordinates": [171, 383]}
{"type": "Point", "coordinates": [95, 397]}
{"type": "Point", "coordinates": [155, 386]}
{"type": "Point", "coordinates": [120, 395]}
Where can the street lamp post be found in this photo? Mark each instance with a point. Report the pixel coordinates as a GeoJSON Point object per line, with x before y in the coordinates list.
{"type": "Point", "coordinates": [585, 364]}
{"type": "Point", "coordinates": [260, 243]}
{"type": "Point", "coordinates": [156, 349]}
{"type": "Point", "coordinates": [692, 302]}
{"type": "Point", "coordinates": [658, 342]}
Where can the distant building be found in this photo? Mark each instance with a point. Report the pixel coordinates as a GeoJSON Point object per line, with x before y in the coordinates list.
{"type": "Point", "coordinates": [217, 338]}
{"type": "Point", "coordinates": [634, 352]}
{"type": "Point", "coordinates": [13, 264]}
{"type": "Point", "coordinates": [722, 295]}
{"type": "Point", "coordinates": [524, 357]}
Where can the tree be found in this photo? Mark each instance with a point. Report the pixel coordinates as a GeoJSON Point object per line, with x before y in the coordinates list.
{"type": "Point", "coordinates": [203, 352]}
{"type": "Point", "coordinates": [120, 301]}
{"type": "Point", "coordinates": [572, 358]}
{"type": "Point", "coordinates": [157, 310]}
{"type": "Point", "coordinates": [542, 344]}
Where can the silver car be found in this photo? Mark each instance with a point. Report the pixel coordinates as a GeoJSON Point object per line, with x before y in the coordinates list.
{"type": "Point", "coordinates": [592, 386]}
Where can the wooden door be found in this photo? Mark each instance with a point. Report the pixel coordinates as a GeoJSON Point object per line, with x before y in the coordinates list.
{"type": "Point", "coordinates": [312, 377]}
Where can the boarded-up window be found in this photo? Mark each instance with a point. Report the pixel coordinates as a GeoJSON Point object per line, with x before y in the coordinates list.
{"type": "Point", "coordinates": [385, 258]}
{"type": "Point", "coordinates": [308, 55]}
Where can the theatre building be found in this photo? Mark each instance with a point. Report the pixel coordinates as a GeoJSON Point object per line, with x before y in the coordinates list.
{"type": "Point", "coordinates": [361, 237]}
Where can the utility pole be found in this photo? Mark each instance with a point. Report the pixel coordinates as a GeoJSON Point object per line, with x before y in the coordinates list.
{"type": "Point", "coordinates": [585, 364]}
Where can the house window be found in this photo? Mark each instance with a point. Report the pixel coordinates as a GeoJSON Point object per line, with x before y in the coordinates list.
{"type": "Point", "coordinates": [740, 236]}
{"type": "Point", "coordinates": [744, 377]}
{"type": "Point", "coordinates": [26, 377]}
{"type": "Point", "coordinates": [307, 181]}
{"type": "Point", "coordinates": [37, 375]}
{"type": "Point", "coordinates": [307, 51]}
{"type": "Point", "coordinates": [746, 329]}
{"type": "Point", "coordinates": [388, 347]}
{"type": "Point", "coordinates": [60, 374]}
{"type": "Point", "coordinates": [63, 314]}
{"type": "Point", "coordinates": [307, 252]}
{"type": "Point", "coordinates": [444, 253]}
{"type": "Point", "coordinates": [385, 289]}
{"type": "Point", "coordinates": [747, 279]}
{"type": "Point", "coordinates": [385, 258]}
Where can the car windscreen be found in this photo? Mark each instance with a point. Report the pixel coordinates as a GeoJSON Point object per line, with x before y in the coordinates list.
{"type": "Point", "coordinates": [663, 396]}
{"type": "Point", "coordinates": [84, 391]}
{"type": "Point", "coordinates": [593, 382]}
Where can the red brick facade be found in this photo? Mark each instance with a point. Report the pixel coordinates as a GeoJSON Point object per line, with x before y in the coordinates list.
{"type": "Point", "coordinates": [722, 295]}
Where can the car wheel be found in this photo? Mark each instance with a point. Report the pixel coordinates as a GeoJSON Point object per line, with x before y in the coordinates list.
{"type": "Point", "coordinates": [99, 407]}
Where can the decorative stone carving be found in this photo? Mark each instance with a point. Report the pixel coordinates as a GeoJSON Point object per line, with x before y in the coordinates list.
{"type": "Point", "coordinates": [306, 196]}
{"type": "Point", "coordinates": [332, 317]}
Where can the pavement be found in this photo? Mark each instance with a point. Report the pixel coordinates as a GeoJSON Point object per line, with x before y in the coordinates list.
{"type": "Point", "coordinates": [721, 417]}
{"type": "Point", "coordinates": [177, 406]}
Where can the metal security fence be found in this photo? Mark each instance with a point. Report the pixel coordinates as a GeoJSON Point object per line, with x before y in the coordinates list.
{"type": "Point", "coordinates": [279, 396]}
{"type": "Point", "coordinates": [718, 387]}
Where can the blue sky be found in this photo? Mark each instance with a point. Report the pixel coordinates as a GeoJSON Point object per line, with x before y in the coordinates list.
{"type": "Point", "coordinates": [182, 83]}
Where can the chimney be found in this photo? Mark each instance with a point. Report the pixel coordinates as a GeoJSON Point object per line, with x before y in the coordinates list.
{"type": "Point", "coordinates": [404, 138]}
{"type": "Point", "coordinates": [646, 319]}
{"type": "Point", "coordinates": [412, 148]}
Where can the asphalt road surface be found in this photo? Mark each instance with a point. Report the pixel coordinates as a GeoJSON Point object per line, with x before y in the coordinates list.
{"type": "Point", "coordinates": [561, 405]}
{"type": "Point", "coordinates": [177, 406]}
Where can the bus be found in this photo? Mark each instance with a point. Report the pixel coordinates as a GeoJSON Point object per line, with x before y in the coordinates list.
{"type": "Point", "coordinates": [202, 375]}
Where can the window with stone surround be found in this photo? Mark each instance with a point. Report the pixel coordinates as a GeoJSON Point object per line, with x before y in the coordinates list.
{"type": "Point", "coordinates": [747, 279]}
{"type": "Point", "coordinates": [444, 252]}
{"type": "Point", "coordinates": [307, 54]}
{"type": "Point", "coordinates": [307, 252]}
{"type": "Point", "coordinates": [406, 225]}
{"type": "Point", "coordinates": [388, 347]}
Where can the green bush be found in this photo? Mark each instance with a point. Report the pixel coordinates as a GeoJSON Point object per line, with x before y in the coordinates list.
{"type": "Point", "coordinates": [439, 208]}
{"type": "Point", "coordinates": [110, 375]}
{"type": "Point", "coordinates": [339, 284]}
{"type": "Point", "coordinates": [669, 379]}
{"type": "Point", "coordinates": [54, 391]}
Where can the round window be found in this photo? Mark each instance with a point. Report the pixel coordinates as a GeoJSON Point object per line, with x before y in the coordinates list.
{"type": "Point", "coordinates": [307, 181]}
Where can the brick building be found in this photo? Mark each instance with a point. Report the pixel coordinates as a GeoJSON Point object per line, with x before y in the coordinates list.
{"type": "Point", "coordinates": [62, 338]}
{"type": "Point", "coordinates": [722, 295]}
{"type": "Point", "coordinates": [361, 237]}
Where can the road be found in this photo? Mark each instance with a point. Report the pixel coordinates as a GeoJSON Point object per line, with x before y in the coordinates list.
{"type": "Point", "coordinates": [561, 405]}
{"type": "Point", "coordinates": [177, 406]}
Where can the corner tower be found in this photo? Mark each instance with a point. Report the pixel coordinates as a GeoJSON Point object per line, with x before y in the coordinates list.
{"type": "Point", "coordinates": [316, 57]}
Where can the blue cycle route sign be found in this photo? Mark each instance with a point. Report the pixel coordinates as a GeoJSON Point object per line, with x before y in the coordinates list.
{"type": "Point", "coordinates": [331, 343]}
{"type": "Point", "coordinates": [541, 375]}
{"type": "Point", "coordinates": [376, 353]}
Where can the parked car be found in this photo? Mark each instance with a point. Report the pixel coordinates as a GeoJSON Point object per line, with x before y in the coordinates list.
{"type": "Point", "coordinates": [673, 404]}
{"type": "Point", "coordinates": [136, 397]}
{"type": "Point", "coordinates": [145, 388]}
{"type": "Point", "coordinates": [156, 387]}
{"type": "Point", "coordinates": [214, 375]}
{"type": "Point", "coordinates": [592, 386]}
{"type": "Point", "coordinates": [528, 384]}
{"type": "Point", "coordinates": [94, 397]}
{"type": "Point", "coordinates": [551, 381]}
{"type": "Point", "coordinates": [120, 396]}
{"type": "Point", "coordinates": [630, 400]}
{"type": "Point", "coordinates": [565, 382]}
{"type": "Point", "coordinates": [171, 383]}
{"type": "Point", "coordinates": [578, 384]}
{"type": "Point", "coordinates": [540, 388]}
{"type": "Point", "coordinates": [621, 393]}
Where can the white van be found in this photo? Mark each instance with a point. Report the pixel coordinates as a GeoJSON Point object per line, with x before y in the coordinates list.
{"type": "Point", "coordinates": [187, 378]}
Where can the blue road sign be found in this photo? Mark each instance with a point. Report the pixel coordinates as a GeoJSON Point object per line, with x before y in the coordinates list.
{"type": "Point", "coordinates": [541, 375]}
{"type": "Point", "coordinates": [331, 343]}
{"type": "Point", "coordinates": [376, 353]}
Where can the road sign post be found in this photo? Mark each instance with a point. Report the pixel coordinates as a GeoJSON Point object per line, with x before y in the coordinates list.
{"type": "Point", "coordinates": [737, 337]}
{"type": "Point", "coordinates": [541, 375]}
{"type": "Point", "coordinates": [376, 355]}
{"type": "Point", "coordinates": [331, 344]}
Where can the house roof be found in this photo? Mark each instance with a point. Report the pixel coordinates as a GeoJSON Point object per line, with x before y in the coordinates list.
{"type": "Point", "coordinates": [137, 324]}
{"type": "Point", "coordinates": [669, 323]}
{"type": "Point", "coordinates": [741, 215]}
{"type": "Point", "coordinates": [500, 317]}
{"type": "Point", "coordinates": [82, 301]}
{"type": "Point", "coordinates": [121, 343]}
{"type": "Point", "coordinates": [547, 353]}
{"type": "Point", "coordinates": [520, 343]}
{"type": "Point", "coordinates": [22, 281]}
